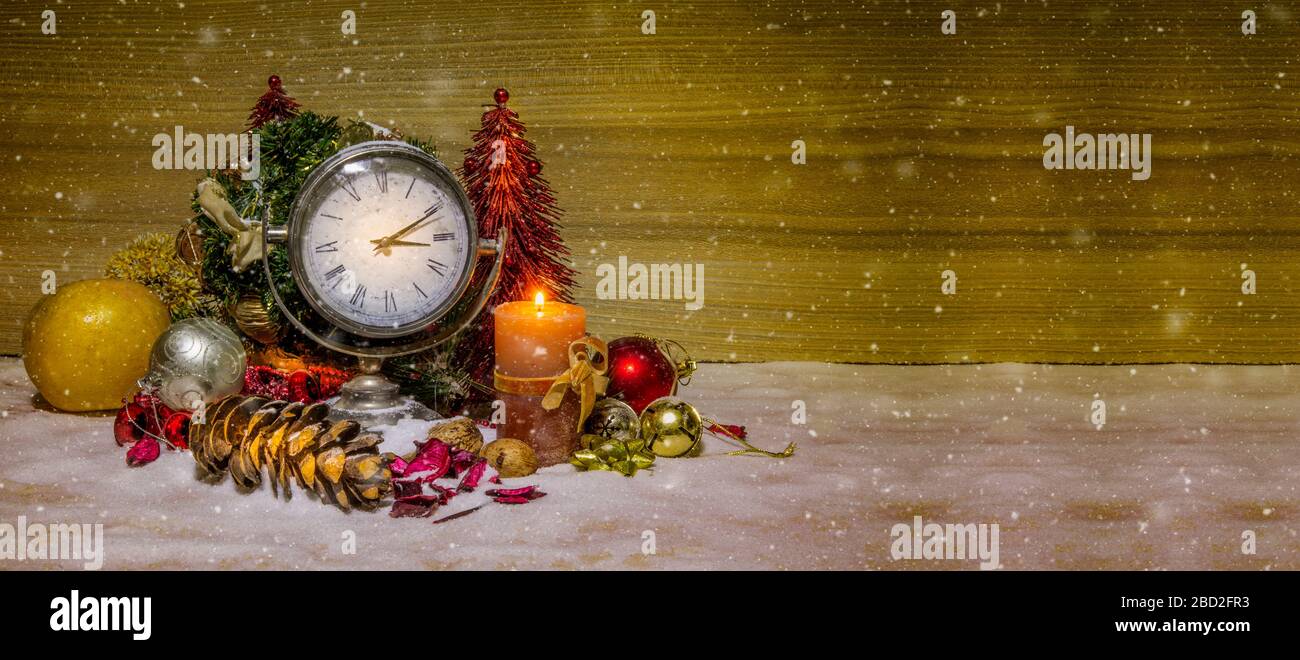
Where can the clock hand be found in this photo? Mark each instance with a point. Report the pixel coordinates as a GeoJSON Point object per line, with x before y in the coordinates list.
{"type": "Point", "coordinates": [381, 243]}
{"type": "Point", "coordinates": [387, 249]}
{"type": "Point", "coordinates": [403, 231]}
{"type": "Point", "coordinates": [387, 240]}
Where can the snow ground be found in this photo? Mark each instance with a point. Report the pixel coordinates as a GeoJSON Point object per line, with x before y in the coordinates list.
{"type": "Point", "coordinates": [1190, 457]}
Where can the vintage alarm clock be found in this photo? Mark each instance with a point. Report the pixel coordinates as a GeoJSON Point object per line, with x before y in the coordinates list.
{"type": "Point", "coordinates": [383, 246]}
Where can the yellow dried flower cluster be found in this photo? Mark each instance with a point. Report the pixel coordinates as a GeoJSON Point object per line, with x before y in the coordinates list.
{"type": "Point", "coordinates": [151, 260]}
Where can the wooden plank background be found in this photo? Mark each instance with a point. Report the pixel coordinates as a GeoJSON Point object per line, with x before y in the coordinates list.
{"type": "Point", "coordinates": [924, 154]}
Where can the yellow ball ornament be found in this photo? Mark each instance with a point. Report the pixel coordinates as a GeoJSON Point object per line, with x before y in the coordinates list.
{"type": "Point", "coordinates": [671, 427]}
{"type": "Point", "coordinates": [85, 346]}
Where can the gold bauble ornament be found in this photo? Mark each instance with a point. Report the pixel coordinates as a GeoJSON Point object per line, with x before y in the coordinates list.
{"type": "Point", "coordinates": [254, 319]}
{"type": "Point", "coordinates": [510, 457]}
{"type": "Point", "coordinates": [671, 427]}
{"type": "Point", "coordinates": [189, 245]}
{"type": "Point", "coordinates": [356, 133]}
{"type": "Point", "coordinates": [86, 346]}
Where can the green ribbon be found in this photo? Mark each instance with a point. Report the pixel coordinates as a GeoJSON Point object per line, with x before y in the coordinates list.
{"type": "Point", "coordinates": [622, 456]}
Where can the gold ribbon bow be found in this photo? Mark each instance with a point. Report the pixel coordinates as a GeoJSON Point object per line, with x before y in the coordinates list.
{"type": "Point", "coordinates": [586, 377]}
{"type": "Point", "coordinates": [588, 361]}
{"type": "Point", "coordinates": [625, 457]}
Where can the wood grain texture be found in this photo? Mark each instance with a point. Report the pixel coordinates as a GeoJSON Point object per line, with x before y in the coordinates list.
{"type": "Point", "coordinates": [924, 154]}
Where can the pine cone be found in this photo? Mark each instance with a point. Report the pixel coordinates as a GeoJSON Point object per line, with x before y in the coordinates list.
{"type": "Point", "coordinates": [242, 434]}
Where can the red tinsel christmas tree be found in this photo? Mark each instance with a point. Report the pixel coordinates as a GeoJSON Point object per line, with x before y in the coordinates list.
{"type": "Point", "coordinates": [274, 105]}
{"type": "Point", "coordinates": [502, 177]}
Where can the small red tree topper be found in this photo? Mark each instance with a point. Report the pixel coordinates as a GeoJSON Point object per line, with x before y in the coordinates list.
{"type": "Point", "coordinates": [274, 105]}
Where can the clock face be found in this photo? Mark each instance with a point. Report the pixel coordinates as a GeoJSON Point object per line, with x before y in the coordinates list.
{"type": "Point", "coordinates": [383, 241]}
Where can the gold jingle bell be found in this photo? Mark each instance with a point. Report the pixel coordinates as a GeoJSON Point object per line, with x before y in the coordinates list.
{"type": "Point", "coordinates": [671, 427]}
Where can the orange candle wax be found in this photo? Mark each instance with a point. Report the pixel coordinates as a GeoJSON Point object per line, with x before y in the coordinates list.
{"type": "Point", "coordinates": [532, 341]}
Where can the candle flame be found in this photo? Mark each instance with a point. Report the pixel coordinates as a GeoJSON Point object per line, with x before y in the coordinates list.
{"type": "Point", "coordinates": [539, 300]}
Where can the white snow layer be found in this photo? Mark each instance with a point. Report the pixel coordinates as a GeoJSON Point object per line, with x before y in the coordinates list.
{"type": "Point", "coordinates": [1189, 458]}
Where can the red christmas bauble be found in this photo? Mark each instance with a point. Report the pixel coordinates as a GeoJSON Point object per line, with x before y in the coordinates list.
{"type": "Point", "coordinates": [273, 82]}
{"type": "Point", "coordinates": [534, 168]}
{"type": "Point", "coordinates": [129, 426]}
{"type": "Point", "coordinates": [639, 372]}
{"type": "Point", "coordinates": [176, 430]}
{"type": "Point", "coordinates": [501, 95]}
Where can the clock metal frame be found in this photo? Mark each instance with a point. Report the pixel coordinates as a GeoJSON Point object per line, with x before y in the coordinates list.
{"type": "Point", "coordinates": [304, 203]}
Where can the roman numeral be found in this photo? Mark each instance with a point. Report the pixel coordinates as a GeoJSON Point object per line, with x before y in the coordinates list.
{"type": "Point", "coordinates": [390, 303]}
{"type": "Point", "coordinates": [410, 188]}
{"type": "Point", "coordinates": [437, 267]}
{"type": "Point", "coordinates": [381, 177]}
{"type": "Point", "coordinates": [443, 237]}
{"type": "Point", "coordinates": [332, 217]}
{"type": "Point", "coordinates": [332, 246]}
{"type": "Point", "coordinates": [350, 188]}
{"type": "Point", "coordinates": [338, 270]}
{"type": "Point", "coordinates": [417, 288]}
{"type": "Point", "coordinates": [432, 209]}
{"type": "Point", "coordinates": [358, 299]}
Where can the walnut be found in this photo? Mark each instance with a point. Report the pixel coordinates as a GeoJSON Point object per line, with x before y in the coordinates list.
{"type": "Point", "coordinates": [460, 433]}
{"type": "Point", "coordinates": [510, 457]}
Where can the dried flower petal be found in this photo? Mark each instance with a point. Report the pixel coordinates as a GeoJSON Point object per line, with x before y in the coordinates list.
{"type": "Point", "coordinates": [462, 460]}
{"type": "Point", "coordinates": [403, 489]}
{"type": "Point", "coordinates": [518, 499]}
{"type": "Point", "coordinates": [142, 452]}
{"type": "Point", "coordinates": [412, 509]}
{"type": "Point", "coordinates": [472, 476]}
{"type": "Point", "coordinates": [396, 464]}
{"type": "Point", "coordinates": [433, 457]}
{"type": "Point", "coordinates": [530, 492]}
{"type": "Point", "coordinates": [443, 493]}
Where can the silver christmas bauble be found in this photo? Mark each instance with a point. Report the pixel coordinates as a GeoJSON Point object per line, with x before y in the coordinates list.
{"type": "Point", "coordinates": [612, 419]}
{"type": "Point", "coordinates": [196, 362]}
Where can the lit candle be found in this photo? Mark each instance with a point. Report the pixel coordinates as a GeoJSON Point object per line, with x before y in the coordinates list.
{"type": "Point", "coordinates": [532, 341]}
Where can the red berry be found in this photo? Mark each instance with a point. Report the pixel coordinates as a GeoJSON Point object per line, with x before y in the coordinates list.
{"type": "Point", "coordinates": [128, 427]}
{"type": "Point", "coordinates": [534, 168]}
{"type": "Point", "coordinates": [303, 387]}
{"type": "Point", "coordinates": [177, 429]}
{"type": "Point", "coordinates": [273, 82]}
{"type": "Point", "coordinates": [468, 164]}
{"type": "Point", "coordinates": [501, 95]}
{"type": "Point", "coordinates": [155, 412]}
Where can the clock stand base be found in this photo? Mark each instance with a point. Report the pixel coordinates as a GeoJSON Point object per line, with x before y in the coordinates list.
{"type": "Point", "coordinates": [372, 400]}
